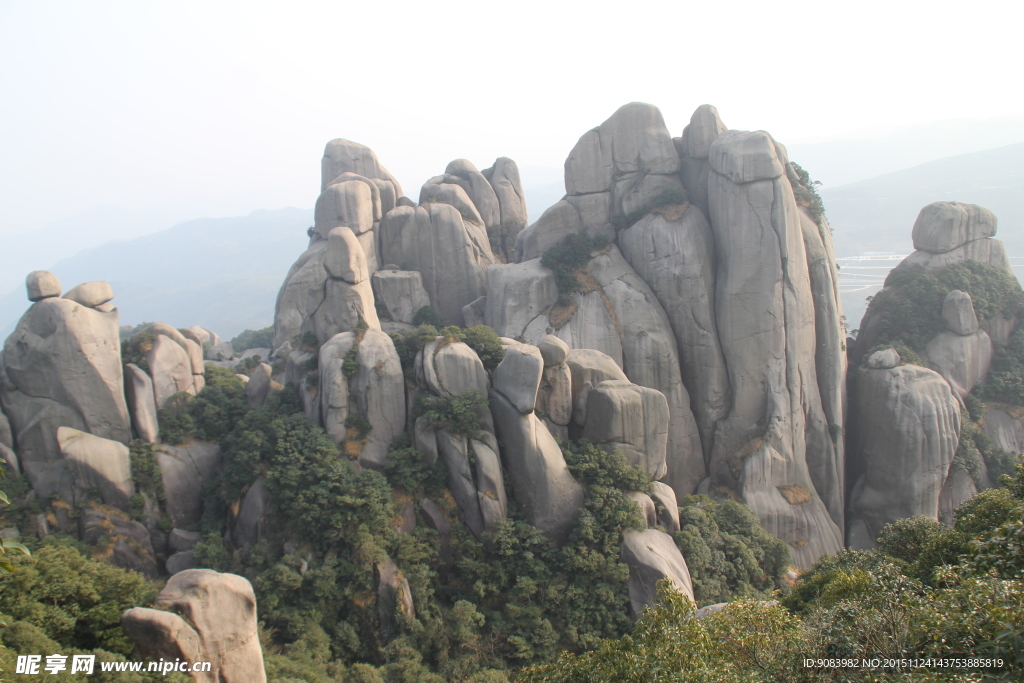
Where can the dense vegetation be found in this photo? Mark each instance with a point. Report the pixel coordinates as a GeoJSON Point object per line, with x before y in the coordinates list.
{"type": "Point", "coordinates": [254, 339]}
{"type": "Point", "coordinates": [567, 258]}
{"type": "Point", "coordinates": [908, 312]}
{"type": "Point", "coordinates": [928, 591]}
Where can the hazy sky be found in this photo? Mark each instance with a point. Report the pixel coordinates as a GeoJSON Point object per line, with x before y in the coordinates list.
{"type": "Point", "coordinates": [219, 108]}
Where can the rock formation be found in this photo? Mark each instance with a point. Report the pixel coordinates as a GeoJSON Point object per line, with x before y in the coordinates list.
{"type": "Point", "coordinates": [202, 616]}
{"type": "Point", "coordinates": [908, 428]}
{"type": "Point", "coordinates": [61, 367]}
{"type": "Point", "coordinates": [651, 556]}
{"type": "Point", "coordinates": [947, 233]}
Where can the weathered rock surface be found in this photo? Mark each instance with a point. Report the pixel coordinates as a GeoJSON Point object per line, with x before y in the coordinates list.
{"type": "Point", "coordinates": [401, 292]}
{"type": "Point", "coordinates": [676, 258]}
{"type": "Point", "coordinates": [452, 255]}
{"type": "Point", "coordinates": [129, 544]}
{"type": "Point", "coordinates": [61, 367]}
{"type": "Point", "coordinates": [961, 360]}
{"type": "Point", "coordinates": [98, 463]}
{"type": "Point", "coordinates": [220, 352]}
{"type": "Point", "coordinates": [300, 296]}
{"type": "Point", "coordinates": [517, 295]}
{"type": "Point", "coordinates": [251, 523]}
{"type": "Point", "coordinates": [668, 508]}
{"type": "Point", "coordinates": [1006, 429]}
{"type": "Point", "coordinates": [345, 259]}
{"type": "Point", "coordinates": [375, 390]}
{"type": "Point", "coordinates": [553, 350]}
{"type": "Point", "coordinates": [258, 387]}
{"type": "Point", "coordinates": [988, 251]}
{"type": "Point", "coordinates": [958, 312]}
{"type": "Point", "coordinates": [345, 156]}
{"type": "Point", "coordinates": [704, 127]}
{"type": "Point", "coordinates": [651, 359]}
{"type": "Point", "coordinates": [518, 376]}
{"type": "Point", "coordinates": [651, 556]}
{"type": "Point", "coordinates": [138, 390]}
{"type": "Point", "coordinates": [943, 226]}
{"type": "Point", "coordinates": [478, 189]}
{"type": "Point", "coordinates": [90, 294]}
{"type": "Point", "coordinates": [180, 561]}
{"type": "Point", "coordinates": [184, 472]}
{"type": "Point", "coordinates": [907, 430]}
{"type": "Point", "coordinates": [508, 190]}
{"type": "Point", "coordinates": [439, 190]}
{"type": "Point", "coordinates": [648, 513]}
{"type": "Point", "coordinates": [554, 397]}
{"type": "Point", "coordinates": [776, 432]}
{"type": "Point", "coordinates": [42, 284]}
{"type": "Point", "coordinates": [180, 540]}
{"type": "Point", "coordinates": [393, 596]}
{"type": "Point", "coordinates": [170, 368]}
{"type": "Point", "coordinates": [455, 369]}
{"type": "Point", "coordinates": [547, 493]}
{"type": "Point", "coordinates": [632, 419]}
{"type": "Point", "coordinates": [204, 616]}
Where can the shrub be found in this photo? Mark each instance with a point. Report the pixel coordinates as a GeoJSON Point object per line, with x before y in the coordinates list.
{"type": "Point", "coordinates": [427, 316]}
{"type": "Point", "coordinates": [569, 256]}
{"type": "Point", "coordinates": [806, 192]}
{"type": "Point", "coordinates": [406, 472]}
{"type": "Point", "coordinates": [1005, 380]}
{"type": "Point", "coordinates": [909, 310]}
{"type": "Point", "coordinates": [727, 551]}
{"type": "Point", "coordinates": [458, 415]}
{"type": "Point", "coordinates": [484, 341]}
{"type": "Point", "coordinates": [254, 339]}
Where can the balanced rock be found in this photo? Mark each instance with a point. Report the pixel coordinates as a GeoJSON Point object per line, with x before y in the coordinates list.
{"type": "Point", "coordinates": [883, 359]}
{"type": "Point", "coordinates": [943, 226]}
{"type": "Point", "coordinates": [91, 294]}
{"type": "Point", "coordinates": [345, 259]}
{"type": "Point", "coordinates": [553, 350]}
{"type": "Point", "coordinates": [180, 540]}
{"type": "Point", "coordinates": [42, 284]}
{"type": "Point", "coordinates": [518, 376]}
{"type": "Point", "coordinates": [958, 312]}
{"type": "Point", "coordinates": [204, 616]}
{"type": "Point", "coordinates": [61, 367]}
{"type": "Point", "coordinates": [651, 556]}
{"type": "Point", "coordinates": [220, 352]}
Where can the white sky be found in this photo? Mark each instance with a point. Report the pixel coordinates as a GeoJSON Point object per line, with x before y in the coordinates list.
{"type": "Point", "coordinates": [219, 108]}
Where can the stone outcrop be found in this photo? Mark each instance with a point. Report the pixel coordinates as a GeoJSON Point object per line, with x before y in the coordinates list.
{"type": "Point", "coordinates": [138, 390]}
{"type": "Point", "coordinates": [326, 292]}
{"type": "Point", "coordinates": [372, 387]}
{"type": "Point", "coordinates": [631, 419]}
{"type": "Point", "coordinates": [61, 367]}
{"type": "Point", "coordinates": [98, 463]}
{"type": "Point", "coordinates": [184, 473]}
{"type": "Point", "coordinates": [677, 259]}
{"type": "Point", "coordinates": [203, 616]}
{"type": "Point", "coordinates": [393, 597]}
{"type": "Point", "coordinates": [504, 179]}
{"type": "Point", "coordinates": [668, 508]}
{"type": "Point", "coordinates": [907, 430]}
{"type": "Point", "coordinates": [694, 147]}
{"type": "Point", "coordinates": [450, 253]}
{"type": "Point", "coordinates": [41, 284]}
{"type": "Point", "coordinates": [947, 233]}
{"type": "Point", "coordinates": [547, 493]}
{"type": "Point", "coordinates": [400, 292]}
{"type": "Point", "coordinates": [128, 543]}
{"type": "Point", "coordinates": [651, 556]}
{"type": "Point", "coordinates": [776, 432]}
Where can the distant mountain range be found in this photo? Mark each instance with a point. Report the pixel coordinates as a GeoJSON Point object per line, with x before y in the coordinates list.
{"type": "Point", "coordinates": [222, 273]}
